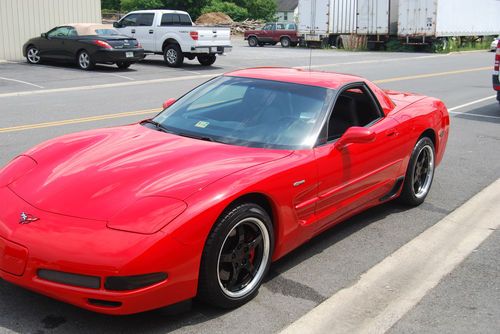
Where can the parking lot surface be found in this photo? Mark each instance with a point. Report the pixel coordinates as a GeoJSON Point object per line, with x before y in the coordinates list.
{"type": "Point", "coordinates": [44, 101]}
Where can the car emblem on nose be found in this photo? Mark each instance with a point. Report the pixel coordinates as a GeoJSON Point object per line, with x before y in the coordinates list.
{"type": "Point", "coordinates": [27, 218]}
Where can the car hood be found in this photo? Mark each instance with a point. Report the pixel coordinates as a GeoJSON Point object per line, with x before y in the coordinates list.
{"type": "Point", "coordinates": [95, 174]}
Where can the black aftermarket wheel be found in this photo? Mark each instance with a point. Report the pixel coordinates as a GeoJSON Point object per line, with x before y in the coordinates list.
{"type": "Point", "coordinates": [420, 173]}
{"type": "Point", "coordinates": [236, 257]}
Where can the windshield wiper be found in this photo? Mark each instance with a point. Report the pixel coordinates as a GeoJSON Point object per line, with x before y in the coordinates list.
{"type": "Point", "coordinates": [157, 125]}
{"type": "Point", "coordinates": [205, 138]}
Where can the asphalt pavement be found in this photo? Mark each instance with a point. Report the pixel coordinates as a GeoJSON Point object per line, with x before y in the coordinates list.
{"type": "Point", "coordinates": [44, 101]}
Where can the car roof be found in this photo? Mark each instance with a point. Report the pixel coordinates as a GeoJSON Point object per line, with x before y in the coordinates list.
{"type": "Point", "coordinates": [84, 29]}
{"type": "Point", "coordinates": [330, 80]}
{"type": "Point", "coordinates": [163, 11]}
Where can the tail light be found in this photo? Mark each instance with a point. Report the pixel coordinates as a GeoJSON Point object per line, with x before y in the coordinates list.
{"type": "Point", "coordinates": [497, 58]}
{"type": "Point", "coordinates": [102, 44]}
{"type": "Point", "coordinates": [194, 35]}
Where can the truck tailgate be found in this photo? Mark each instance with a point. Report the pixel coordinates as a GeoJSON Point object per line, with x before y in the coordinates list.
{"type": "Point", "coordinates": [213, 36]}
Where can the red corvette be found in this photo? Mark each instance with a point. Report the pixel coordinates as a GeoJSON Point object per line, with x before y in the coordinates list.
{"type": "Point", "coordinates": [199, 200]}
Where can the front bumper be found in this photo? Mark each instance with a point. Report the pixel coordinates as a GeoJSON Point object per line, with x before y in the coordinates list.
{"type": "Point", "coordinates": [118, 55]}
{"type": "Point", "coordinates": [86, 247]}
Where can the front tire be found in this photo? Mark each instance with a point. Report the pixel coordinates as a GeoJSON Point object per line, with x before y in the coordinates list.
{"type": "Point", "coordinates": [33, 55]}
{"type": "Point", "coordinates": [173, 55]}
{"type": "Point", "coordinates": [84, 61]}
{"type": "Point", "coordinates": [207, 60]}
{"type": "Point", "coordinates": [420, 173]}
{"type": "Point", "coordinates": [236, 257]}
{"type": "Point", "coordinates": [252, 42]}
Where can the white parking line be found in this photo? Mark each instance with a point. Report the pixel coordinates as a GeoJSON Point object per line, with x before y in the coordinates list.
{"type": "Point", "coordinates": [20, 81]}
{"type": "Point", "coordinates": [111, 85]}
{"type": "Point", "coordinates": [452, 110]}
{"type": "Point", "coordinates": [121, 76]}
{"type": "Point", "coordinates": [387, 291]}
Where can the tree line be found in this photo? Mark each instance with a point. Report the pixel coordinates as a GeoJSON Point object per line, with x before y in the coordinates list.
{"type": "Point", "coordinates": [238, 10]}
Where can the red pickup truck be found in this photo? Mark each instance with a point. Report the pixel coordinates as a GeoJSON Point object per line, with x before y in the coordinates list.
{"type": "Point", "coordinates": [272, 33]}
{"type": "Point", "coordinates": [496, 71]}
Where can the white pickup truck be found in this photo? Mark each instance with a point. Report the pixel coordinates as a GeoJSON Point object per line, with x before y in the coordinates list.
{"type": "Point", "coordinates": [173, 34]}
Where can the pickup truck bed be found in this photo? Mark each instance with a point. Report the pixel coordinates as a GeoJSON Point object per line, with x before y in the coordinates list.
{"type": "Point", "coordinates": [173, 34]}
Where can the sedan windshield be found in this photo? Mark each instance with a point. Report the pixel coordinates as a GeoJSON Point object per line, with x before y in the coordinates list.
{"type": "Point", "coordinates": [249, 112]}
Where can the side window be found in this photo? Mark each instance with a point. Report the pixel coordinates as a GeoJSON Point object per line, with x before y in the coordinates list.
{"type": "Point", "coordinates": [354, 107]}
{"type": "Point", "coordinates": [280, 26]}
{"type": "Point", "coordinates": [72, 32]}
{"type": "Point", "coordinates": [268, 27]}
{"type": "Point", "coordinates": [167, 19]}
{"type": "Point", "coordinates": [59, 32]}
{"type": "Point", "coordinates": [130, 20]}
{"type": "Point", "coordinates": [145, 20]}
{"type": "Point", "coordinates": [291, 26]}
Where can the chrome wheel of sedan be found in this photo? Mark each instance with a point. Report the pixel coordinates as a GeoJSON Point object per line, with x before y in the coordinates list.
{"type": "Point", "coordinates": [85, 61]}
{"type": "Point", "coordinates": [33, 55]}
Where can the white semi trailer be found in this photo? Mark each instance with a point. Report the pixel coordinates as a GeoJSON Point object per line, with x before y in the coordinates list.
{"type": "Point", "coordinates": [412, 21]}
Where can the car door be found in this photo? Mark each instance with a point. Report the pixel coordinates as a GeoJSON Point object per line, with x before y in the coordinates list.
{"type": "Point", "coordinates": [140, 26]}
{"type": "Point", "coordinates": [354, 172]}
{"type": "Point", "coordinates": [266, 34]}
{"type": "Point", "coordinates": [51, 46]}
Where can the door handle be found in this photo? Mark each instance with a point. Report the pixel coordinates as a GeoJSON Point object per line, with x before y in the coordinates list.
{"type": "Point", "coordinates": [133, 31]}
{"type": "Point", "coordinates": [151, 31]}
{"type": "Point", "coordinates": [392, 133]}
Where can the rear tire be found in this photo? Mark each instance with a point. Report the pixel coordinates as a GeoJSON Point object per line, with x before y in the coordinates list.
{"type": "Point", "coordinates": [236, 257]}
{"type": "Point", "coordinates": [173, 55]}
{"type": "Point", "coordinates": [252, 42]}
{"type": "Point", "coordinates": [123, 65]}
{"type": "Point", "coordinates": [84, 61]}
{"type": "Point", "coordinates": [207, 60]}
{"type": "Point", "coordinates": [419, 174]}
{"type": "Point", "coordinates": [285, 42]}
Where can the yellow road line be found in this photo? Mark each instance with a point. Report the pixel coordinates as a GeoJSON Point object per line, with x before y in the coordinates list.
{"type": "Point", "coordinates": [78, 120]}
{"type": "Point", "coordinates": [151, 111]}
{"type": "Point", "coordinates": [431, 75]}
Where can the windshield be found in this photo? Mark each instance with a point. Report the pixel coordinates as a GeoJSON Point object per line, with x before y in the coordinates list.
{"type": "Point", "coordinates": [249, 112]}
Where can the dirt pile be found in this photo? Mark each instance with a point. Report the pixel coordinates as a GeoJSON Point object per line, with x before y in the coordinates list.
{"type": "Point", "coordinates": [215, 18]}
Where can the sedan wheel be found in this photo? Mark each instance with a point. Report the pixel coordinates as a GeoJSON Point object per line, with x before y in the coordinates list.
{"type": "Point", "coordinates": [420, 173]}
{"type": "Point", "coordinates": [236, 257]}
{"type": "Point", "coordinates": [85, 61]}
{"type": "Point", "coordinates": [33, 55]}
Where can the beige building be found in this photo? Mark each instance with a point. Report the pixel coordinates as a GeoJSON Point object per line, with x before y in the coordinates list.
{"type": "Point", "coordinates": [21, 20]}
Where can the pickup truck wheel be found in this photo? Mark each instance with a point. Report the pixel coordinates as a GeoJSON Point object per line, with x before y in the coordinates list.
{"type": "Point", "coordinates": [207, 60]}
{"type": "Point", "coordinates": [173, 55]}
{"type": "Point", "coordinates": [285, 42]}
{"type": "Point", "coordinates": [252, 41]}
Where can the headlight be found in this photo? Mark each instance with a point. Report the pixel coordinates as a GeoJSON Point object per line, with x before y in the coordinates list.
{"type": "Point", "coordinates": [17, 168]}
{"type": "Point", "coordinates": [147, 215]}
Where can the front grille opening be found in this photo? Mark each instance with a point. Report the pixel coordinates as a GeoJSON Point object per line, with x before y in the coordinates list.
{"type": "Point", "coordinates": [104, 303]}
{"type": "Point", "coordinates": [83, 281]}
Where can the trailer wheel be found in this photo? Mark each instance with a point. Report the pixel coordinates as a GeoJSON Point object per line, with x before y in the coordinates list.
{"type": "Point", "coordinates": [339, 43]}
{"type": "Point", "coordinates": [440, 44]}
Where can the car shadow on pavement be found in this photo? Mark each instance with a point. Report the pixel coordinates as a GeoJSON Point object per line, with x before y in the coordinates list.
{"type": "Point", "coordinates": [489, 113]}
{"type": "Point", "coordinates": [188, 65]}
{"type": "Point", "coordinates": [24, 311]}
{"type": "Point", "coordinates": [100, 68]}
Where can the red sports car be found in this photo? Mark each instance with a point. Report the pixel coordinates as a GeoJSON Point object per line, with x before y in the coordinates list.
{"type": "Point", "coordinates": [199, 200]}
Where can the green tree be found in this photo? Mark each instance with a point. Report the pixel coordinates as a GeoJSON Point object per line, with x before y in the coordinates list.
{"type": "Point", "coordinates": [234, 11]}
{"type": "Point", "coordinates": [110, 4]}
{"type": "Point", "coordinates": [129, 5]}
{"type": "Point", "coordinates": [257, 9]}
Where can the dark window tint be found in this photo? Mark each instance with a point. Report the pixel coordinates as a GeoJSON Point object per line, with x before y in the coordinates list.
{"type": "Point", "coordinates": [354, 107]}
{"type": "Point", "coordinates": [175, 20]}
{"type": "Point", "coordinates": [134, 20]}
{"type": "Point", "coordinates": [59, 32]}
{"type": "Point", "coordinates": [269, 27]}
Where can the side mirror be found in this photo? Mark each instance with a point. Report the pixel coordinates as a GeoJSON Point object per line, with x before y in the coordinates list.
{"type": "Point", "coordinates": [356, 134]}
{"type": "Point", "coordinates": [117, 24]}
{"type": "Point", "coordinates": [43, 35]}
{"type": "Point", "coordinates": [168, 103]}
